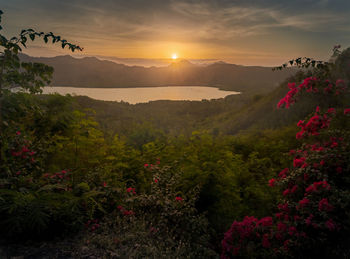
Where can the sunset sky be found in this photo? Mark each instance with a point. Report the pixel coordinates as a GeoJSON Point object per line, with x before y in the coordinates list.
{"type": "Point", "coordinates": [264, 32]}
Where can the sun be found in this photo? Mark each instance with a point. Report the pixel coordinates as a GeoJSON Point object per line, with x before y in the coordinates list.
{"type": "Point", "coordinates": [174, 56]}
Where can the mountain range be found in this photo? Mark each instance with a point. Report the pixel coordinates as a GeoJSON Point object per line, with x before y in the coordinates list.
{"type": "Point", "coordinates": [93, 72]}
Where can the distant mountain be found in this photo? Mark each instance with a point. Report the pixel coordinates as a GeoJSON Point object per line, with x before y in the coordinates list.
{"type": "Point", "coordinates": [92, 72]}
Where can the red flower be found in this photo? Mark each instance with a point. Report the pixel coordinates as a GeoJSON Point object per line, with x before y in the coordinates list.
{"type": "Point", "coordinates": [266, 221]}
{"type": "Point", "coordinates": [281, 226]}
{"type": "Point", "coordinates": [25, 149]}
{"type": "Point", "coordinates": [272, 182]}
{"type": "Point", "coordinates": [286, 192]}
{"type": "Point", "coordinates": [283, 207]}
{"type": "Point", "coordinates": [128, 212]}
{"type": "Point", "coordinates": [323, 205]}
{"type": "Point", "coordinates": [299, 162]}
{"type": "Point", "coordinates": [309, 219]}
{"type": "Point", "coordinates": [131, 190]}
{"type": "Point", "coordinates": [283, 173]}
{"type": "Point", "coordinates": [279, 215]}
{"type": "Point", "coordinates": [294, 188]}
{"type": "Point", "coordinates": [292, 231]}
{"type": "Point", "coordinates": [104, 184]}
{"type": "Point", "coordinates": [156, 180]}
{"type": "Point", "coordinates": [178, 198]}
{"type": "Point", "coordinates": [347, 111]}
{"type": "Point", "coordinates": [330, 225]}
{"type": "Point", "coordinates": [331, 111]}
{"type": "Point", "coordinates": [339, 169]}
{"type": "Point", "coordinates": [304, 202]}
{"type": "Point", "coordinates": [315, 186]}
{"type": "Point", "coordinates": [265, 241]}
{"type": "Point", "coordinates": [145, 165]}
{"type": "Point", "coordinates": [18, 133]}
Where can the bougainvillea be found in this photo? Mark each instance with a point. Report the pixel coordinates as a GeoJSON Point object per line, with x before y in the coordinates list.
{"type": "Point", "coordinates": [313, 213]}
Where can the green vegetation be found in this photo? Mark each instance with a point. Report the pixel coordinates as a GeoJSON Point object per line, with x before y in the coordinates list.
{"type": "Point", "coordinates": [157, 180]}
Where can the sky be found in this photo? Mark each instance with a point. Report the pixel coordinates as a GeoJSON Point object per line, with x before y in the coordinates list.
{"type": "Point", "coordinates": [247, 32]}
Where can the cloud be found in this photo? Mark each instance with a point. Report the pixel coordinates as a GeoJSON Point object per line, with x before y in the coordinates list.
{"type": "Point", "coordinates": [225, 26]}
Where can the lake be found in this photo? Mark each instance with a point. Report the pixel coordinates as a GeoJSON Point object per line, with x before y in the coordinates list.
{"type": "Point", "coordinates": [144, 94]}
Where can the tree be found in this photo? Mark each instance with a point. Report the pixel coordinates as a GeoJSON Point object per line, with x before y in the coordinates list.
{"type": "Point", "coordinates": [24, 75]}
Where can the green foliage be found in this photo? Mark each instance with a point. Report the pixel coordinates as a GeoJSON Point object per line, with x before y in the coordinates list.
{"type": "Point", "coordinates": [312, 218]}
{"type": "Point", "coordinates": [162, 222]}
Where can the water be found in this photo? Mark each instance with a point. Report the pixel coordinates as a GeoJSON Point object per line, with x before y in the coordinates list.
{"type": "Point", "coordinates": [144, 94]}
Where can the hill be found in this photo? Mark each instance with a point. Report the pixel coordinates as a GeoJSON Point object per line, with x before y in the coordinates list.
{"type": "Point", "coordinates": [92, 72]}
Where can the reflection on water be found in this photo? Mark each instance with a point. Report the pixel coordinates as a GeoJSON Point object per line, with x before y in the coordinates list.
{"type": "Point", "coordinates": [144, 94]}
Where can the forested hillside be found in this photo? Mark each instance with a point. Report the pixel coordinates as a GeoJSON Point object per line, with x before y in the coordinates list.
{"type": "Point", "coordinates": [249, 176]}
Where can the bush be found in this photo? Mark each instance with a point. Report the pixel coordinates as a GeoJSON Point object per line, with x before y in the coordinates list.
{"type": "Point", "coordinates": [313, 218]}
{"type": "Point", "coordinates": [160, 223]}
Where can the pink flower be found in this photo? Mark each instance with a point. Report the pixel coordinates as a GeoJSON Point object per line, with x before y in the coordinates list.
{"type": "Point", "coordinates": [283, 173]}
{"type": "Point", "coordinates": [265, 241]}
{"type": "Point", "coordinates": [299, 162]}
{"type": "Point", "coordinates": [286, 192]}
{"type": "Point", "coordinates": [316, 186]}
{"type": "Point", "coordinates": [330, 225]}
{"type": "Point", "coordinates": [25, 149]}
{"type": "Point", "coordinates": [128, 212]}
{"type": "Point", "coordinates": [104, 184]}
{"type": "Point", "coordinates": [304, 202]}
{"type": "Point", "coordinates": [294, 188]}
{"type": "Point", "coordinates": [281, 226]}
{"type": "Point", "coordinates": [347, 111]}
{"type": "Point", "coordinates": [132, 190]}
{"type": "Point", "coordinates": [283, 207]}
{"type": "Point", "coordinates": [18, 173]}
{"type": "Point", "coordinates": [266, 221]}
{"type": "Point", "coordinates": [323, 205]}
{"type": "Point", "coordinates": [299, 135]}
{"type": "Point", "coordinates": [18, 133]}
{"type": "Point", "coordinates": [272, 182]}
{"type": "Point", "coordinates": [178, 198]}
{"type": "Point", "coordinates": [339, 169]}
{"type": "Point", "coordinates": [292, 231]}
{"type": "Point", "coordinates": [308, 220]}
{"type": "Point", "coordinates": [119, 207]}
{"type": "Point", "coordinates": [156, 180]}
{"type": "Point", "coordinates": [331, 111]}
{"type": "Point", "coordinates": [145, 165]}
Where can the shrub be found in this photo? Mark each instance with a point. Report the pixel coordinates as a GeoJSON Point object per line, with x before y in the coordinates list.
{"type": "Point", "coordinates": [312, 219]}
